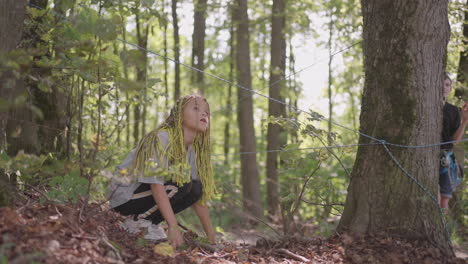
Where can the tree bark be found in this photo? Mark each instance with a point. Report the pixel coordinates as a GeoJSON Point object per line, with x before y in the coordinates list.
{"type": "Point", "coordinates": [126, 75]}
{"type": "Point", "coordinates": [175, 23]}
{"type": "Point", "coordinates": [166, 68]}
{"type": "Point", "coordinates": [228, 110]}
{"type": "Point", "coordinates": [139, 111]}
{"type": "Point", "coordinates": [198, 43]}
{"type": "Point", "coordinates": [250, 179]}
{"type": "Point", "coordinates": [12, 15]}
{"type": "Point", "coordinates": [22, 129]}
{"type": "Point", "coordinates": [296, 90]}
{"type": "Point", "coordinates": [405, 44]}
{"type": "Point", "coordinates": [276, 85]}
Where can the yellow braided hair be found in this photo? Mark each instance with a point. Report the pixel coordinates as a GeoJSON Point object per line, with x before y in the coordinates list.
{"type": "Point", "coordinates": [176, 167]}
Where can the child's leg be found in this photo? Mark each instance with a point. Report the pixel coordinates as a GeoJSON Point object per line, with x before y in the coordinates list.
{"type": "Point", "coordinates": [186, 196]}
{"type": "Point", "coordinates": [143, 205]}
{"type": "Point", "coordinates": [141, 202]}
{"type": "Point", "coordinates": [445, 188]}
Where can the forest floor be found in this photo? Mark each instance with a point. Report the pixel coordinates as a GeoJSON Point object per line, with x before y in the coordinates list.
{"type": "Point", "coordinates": [31, 232]}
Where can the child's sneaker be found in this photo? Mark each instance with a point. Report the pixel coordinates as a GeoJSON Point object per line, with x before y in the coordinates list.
{"type": "Point", "coordinates": [134, 227]}
{"type": "Point", "coordinates": [155, 232]}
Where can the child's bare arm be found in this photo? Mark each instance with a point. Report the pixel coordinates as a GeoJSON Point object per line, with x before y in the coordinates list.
{"type": "Point", "coordinates": [203, 214]}
{"type": "Point", "coordinates": [160, 196]}
{"type": "Point", "coordinates": [464, 122]}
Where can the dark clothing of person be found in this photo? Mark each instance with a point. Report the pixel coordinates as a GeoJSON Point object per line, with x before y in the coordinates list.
{"type": "Point", "coordinates": [451, 122]}
{"type": "Point", "coordinates": [449, 175]}
{"type": "Point", "coordinates": [143, 206]}
{"type": "Point", "coordinates": [448, 172]}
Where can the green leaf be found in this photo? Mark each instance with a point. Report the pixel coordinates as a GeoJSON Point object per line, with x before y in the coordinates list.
{"type": "Point", "coordinates": [132, 57]}
{"type": "Point", "coordinates": [106, 29]}
{"type": "Point", "coordinates": [151, 82]}
{"type": "Point", "coordinates": [147, 3]}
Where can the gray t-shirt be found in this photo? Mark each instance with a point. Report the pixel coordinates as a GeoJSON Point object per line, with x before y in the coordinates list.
{"type": "Point", "coordinates": [122, 192]}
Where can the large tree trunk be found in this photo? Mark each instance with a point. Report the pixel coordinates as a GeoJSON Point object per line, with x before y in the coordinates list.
{"type": "Point", "coordinates": [22, 125]}
{"type": "Point", "coordinates": [198, 42]}
{"type": "Point", "coordinates": [175, 23]}
{"type": "Point", "coordinates": [12, 14]}
{"type": "Point", "coordinates": [250, 179]}
{"type": "Point", "coordinates": [404, 50]}
{"type": "Point", "coordinates": [277, 72]}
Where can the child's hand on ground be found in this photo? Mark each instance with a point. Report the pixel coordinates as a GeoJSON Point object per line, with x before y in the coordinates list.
{"type": "Point", "coordinates": [175, 236]}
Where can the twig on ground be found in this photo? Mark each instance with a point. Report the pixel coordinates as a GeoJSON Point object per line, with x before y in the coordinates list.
{"type": "Point", "coordinates": [204, 246]}
{"type": "Point", "coordinates": [292, 255]}
{"type": "Point", "coordinates": [106, 242]}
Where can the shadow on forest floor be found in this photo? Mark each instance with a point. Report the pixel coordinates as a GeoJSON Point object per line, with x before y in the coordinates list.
{"type": "Point", "coordinates": [56, 233]}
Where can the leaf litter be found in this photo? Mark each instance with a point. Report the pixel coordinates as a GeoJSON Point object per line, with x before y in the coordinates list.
{"type": "Point", "coordinates": [58, 233]}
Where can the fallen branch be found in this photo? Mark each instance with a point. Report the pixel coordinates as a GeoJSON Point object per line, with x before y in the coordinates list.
{"type": "Point", "coordinates": [106, 242]}
{"type": "Point", "coordinates": [205, 246]}
{"type": "Point", "coordinates": [292, 255]}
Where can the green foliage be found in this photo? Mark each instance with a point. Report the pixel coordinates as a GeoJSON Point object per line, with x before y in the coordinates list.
{"type": "Point", "coordinates": [69, 187]}
{"type": "Point", "coordinates": [61, 179]}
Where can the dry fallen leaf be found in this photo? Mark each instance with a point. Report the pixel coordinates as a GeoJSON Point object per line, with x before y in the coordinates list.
{"type": "Point", "coordinates": [164, 249]}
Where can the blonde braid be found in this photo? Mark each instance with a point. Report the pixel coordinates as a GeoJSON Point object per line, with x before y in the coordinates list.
{"type": "Point", "coordinates": [178, 168]}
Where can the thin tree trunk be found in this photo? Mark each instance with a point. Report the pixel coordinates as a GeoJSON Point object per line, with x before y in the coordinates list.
{"type": "Point", "coordinates": [327, 209]}
{"type": "Point", "coordinates": [142, 37]}
{"type": "Point", "coordinates": [198, 43]}
{"type": "Point", "coordinates": [166, 67]}
{"type": "Point", "coordinates": [227, 128]}
{"type": "Point", "coordinates": [80, 125]}
{"type": "Point", "coordinates": [117, 101]}
{"type": "Point", "coordinates": [250, 179]}
{"type": "Point", "coordinates": [175, 24]}
{"type": "Point", "coordinates": [405, 46]}
{"type": "Point", "coordinates": [277, 73]}
{"type": "Point", "coordinates": [70, 114]}
{"type": "Point", "coordinates": [99, 102]}
{"type": "Point", "coordinates": [125, 71]}
{"type": "Point", "coordinates": [296, 90]}
{"type": "Point", "coordinates": [330, 79]}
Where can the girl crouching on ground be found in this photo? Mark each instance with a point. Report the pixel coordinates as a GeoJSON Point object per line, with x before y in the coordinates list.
{"type": "Point", "coordinates": [170, 170]}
